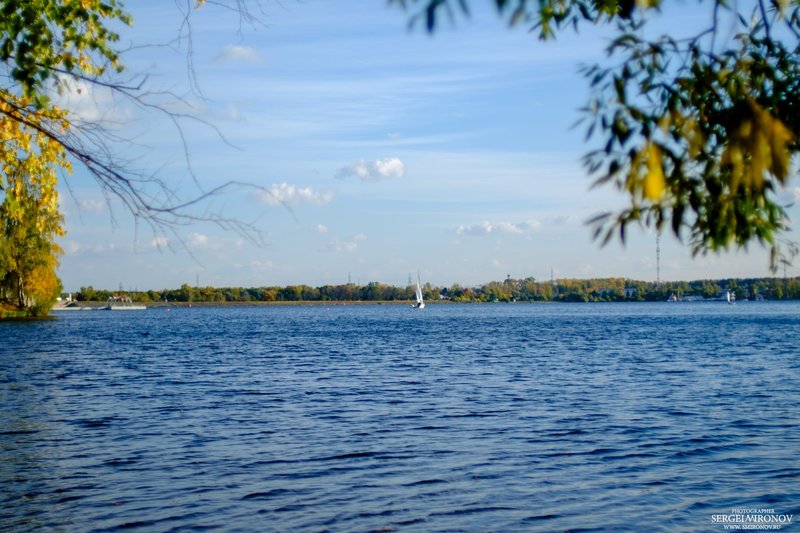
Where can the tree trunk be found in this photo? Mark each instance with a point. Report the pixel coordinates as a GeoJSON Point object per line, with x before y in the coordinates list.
{"type": "Point", "coordinates": [20, 293]}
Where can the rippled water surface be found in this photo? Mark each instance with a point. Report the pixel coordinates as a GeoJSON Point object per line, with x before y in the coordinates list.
{"type": "Point", "coordinates": [474, 418]}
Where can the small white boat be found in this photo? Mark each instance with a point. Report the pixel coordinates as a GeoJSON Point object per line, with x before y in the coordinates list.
{"type": "Point", "coordinates": [420, 303]}
{"type": "Point", "coordinates": [122, 303]}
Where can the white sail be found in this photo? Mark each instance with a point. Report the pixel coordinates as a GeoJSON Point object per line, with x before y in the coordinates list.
{"type": "Point", "coordinates": [420, 303]}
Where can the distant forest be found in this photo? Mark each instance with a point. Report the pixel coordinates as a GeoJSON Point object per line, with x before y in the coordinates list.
{"type": "Point", "coordinates": [509, 290]}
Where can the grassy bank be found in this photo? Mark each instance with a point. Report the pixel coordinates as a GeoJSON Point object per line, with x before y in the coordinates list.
{"type": "Point", "coordinates": [12, 313]}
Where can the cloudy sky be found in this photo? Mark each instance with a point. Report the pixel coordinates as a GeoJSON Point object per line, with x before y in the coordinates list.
{"type": "Point", "coordinates": [369, 151]}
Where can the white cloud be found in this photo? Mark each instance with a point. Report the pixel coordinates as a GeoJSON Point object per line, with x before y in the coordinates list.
{"type": "Point", "coordinates": [75, 248]}
{"type": "Point", "coordinates": [563, 220]}
{"type": "Point", "coordinates": [233, 113]}
{"type": "Point", "coordinates": [261, 265]}
{"type": "Point", "coordinates": [375, 170]}
{"type": "Point", "coordinates": [70, 205]}
{"type": "Point", "coordinates": [321, 228]}
{"type": "Point", "coordinates": [86, 102]}
{"type": "Point", "coordinates": [286, 194]}
{"type": "Point", "coordinates": [789, 196]}
{"type": "Point", "coordinates": [92, 206]}
{"type": "Point", "coordinates": [239, 54]}
{"type": "Point", "coordinates": [347, 246]}
{"type": "Point", "coordinates": [197, 240]}
{"type": "Point", "coordinates": [488, 228]}
{"type": "Point", "coordinates": [159, 241]}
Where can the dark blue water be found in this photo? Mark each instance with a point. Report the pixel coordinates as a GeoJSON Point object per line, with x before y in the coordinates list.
{"type": "Point", "coordinates": [382, 418]}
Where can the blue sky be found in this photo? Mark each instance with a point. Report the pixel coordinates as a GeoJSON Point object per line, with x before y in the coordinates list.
{"type": "Point", "coordinates": [396, 151]}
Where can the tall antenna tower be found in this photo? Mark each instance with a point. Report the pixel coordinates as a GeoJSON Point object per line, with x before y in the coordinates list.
{"type": "Point", "coordinates": [658, 259]}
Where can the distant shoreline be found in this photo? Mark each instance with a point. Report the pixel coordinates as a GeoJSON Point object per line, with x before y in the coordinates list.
{"type": "Point", "coordinates": [508, 290]}
{"type": "Point", "coordinates": [310, 303]}
{"type": "Point", "coordinates": [99, 305]}
{"type": "Point", "coordinates": [315, 303]}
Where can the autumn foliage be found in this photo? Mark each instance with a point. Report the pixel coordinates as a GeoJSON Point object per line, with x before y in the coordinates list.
{"type": "Point", "coordinates": [42, 43]}
{"type": "Point", "coordinates": [30, 219]}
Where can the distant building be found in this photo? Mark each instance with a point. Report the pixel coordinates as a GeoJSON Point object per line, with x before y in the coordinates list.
{"type": "Point", "coordinates": [630, 292]}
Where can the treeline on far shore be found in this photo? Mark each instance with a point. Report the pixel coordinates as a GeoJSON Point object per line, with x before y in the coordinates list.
{"type": "Point", "coordinates": [508, 290]}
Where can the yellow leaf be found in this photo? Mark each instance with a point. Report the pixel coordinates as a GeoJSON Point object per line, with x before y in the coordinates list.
{"type": "Point", "coordinates": [664, 123]}
{"type": "Point", "coordinates": [779, 137]}
{"type": "Point", "coordinates": [654, 184]}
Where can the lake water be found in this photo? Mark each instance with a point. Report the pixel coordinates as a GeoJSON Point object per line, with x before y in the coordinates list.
{"type": "Point", "coordinates": [598, 417]}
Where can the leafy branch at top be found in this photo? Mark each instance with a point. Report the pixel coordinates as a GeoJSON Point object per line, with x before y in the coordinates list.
{"type": "Point", "coordinates": [699, 132]}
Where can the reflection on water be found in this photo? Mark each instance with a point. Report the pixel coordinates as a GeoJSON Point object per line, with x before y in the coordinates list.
{"type": "Point", "coordinates": [483, 417]}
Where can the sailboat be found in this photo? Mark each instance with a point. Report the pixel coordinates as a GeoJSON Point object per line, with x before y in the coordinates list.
{"type": "Point", "coordinates": [420, 304]}
{"type": "Point", "coordinates": [731, 297]}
